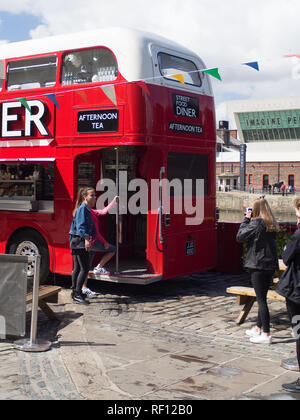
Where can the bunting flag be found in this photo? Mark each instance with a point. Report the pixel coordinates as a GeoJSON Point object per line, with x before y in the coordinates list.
{"type": "Point", "coordinates": [52, 98]}
{"type": "Point", "coordinates": [179, 77]}
{"type": "Point", "coordinates": [110, 92]}
{"type": "Point", "coordinates": [253, 64]}
{"type": "Point", "coordinates": [82, 94]}
{"type": "Point", "coordinates": [110, 89]}
{"type": "Point", "coordinates": [291, 55]}
{"type": "Point", "coordinates": [24, 103]}
{"type": "Point", "coordinates": [213, 72]}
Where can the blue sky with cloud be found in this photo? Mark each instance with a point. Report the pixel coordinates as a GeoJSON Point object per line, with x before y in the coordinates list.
{"type": "Point", "coordinates": [223, 33]}
{"type": "Point", "coordinates": [17, 27]}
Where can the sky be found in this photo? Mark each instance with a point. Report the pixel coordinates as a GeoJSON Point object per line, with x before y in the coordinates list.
{"type": "Point", "coordinates": [225, 34]}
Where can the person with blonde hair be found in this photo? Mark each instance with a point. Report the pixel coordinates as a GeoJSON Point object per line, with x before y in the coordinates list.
{"type": "Point", "coordinates": [99, 244]}
{"type": "Point", "coordinates": [258, 231]}
{"type": "Point", "coordinates": [82, 233]}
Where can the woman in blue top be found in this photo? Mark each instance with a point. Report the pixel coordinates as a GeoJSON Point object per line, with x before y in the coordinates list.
{"type": "Point", "coordinates": [82, 233]}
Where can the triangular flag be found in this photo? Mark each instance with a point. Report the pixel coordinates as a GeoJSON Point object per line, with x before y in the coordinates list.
{"type": "Point", "coordinates": [52, 98]}
{"type": "Point", "coordinates": [253, 64]}
{"type": "Point", "coordinates": [82, 94]}
{"type": "Point", "coordinates": [25, 104]}
{"type": "Point", "coordinates": [213, 73]}
{"type": "Point", "coordinates": [179, 77]}
{"type": "Point", "coordinates": [110, 92]}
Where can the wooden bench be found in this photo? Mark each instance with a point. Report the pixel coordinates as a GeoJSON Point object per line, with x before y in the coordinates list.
{"type": "Point", "coordinates": [246, 296]}
{"type": "Point", "coordinates": [47, 294]}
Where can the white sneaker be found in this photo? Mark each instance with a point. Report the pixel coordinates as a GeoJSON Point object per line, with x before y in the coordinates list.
{"type": "Point", "coordinates": [88, 292]}
{"type": "Point", "coordinates": [100, 271]}
{"type": "Point", "coordinates": [261, 339]}
{"type": "Point", "coordinates": [253, 332]}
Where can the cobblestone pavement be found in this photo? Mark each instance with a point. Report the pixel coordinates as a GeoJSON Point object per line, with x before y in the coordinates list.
{"type": "Point", "coordinates": [170, 340]}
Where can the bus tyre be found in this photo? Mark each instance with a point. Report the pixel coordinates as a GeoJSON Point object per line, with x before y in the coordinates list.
{"type": "Point", "coordinates": [30, 243]}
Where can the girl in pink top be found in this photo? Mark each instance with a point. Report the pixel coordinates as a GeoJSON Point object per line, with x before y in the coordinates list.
{"type": "Point", "coordinates": [100, 244]}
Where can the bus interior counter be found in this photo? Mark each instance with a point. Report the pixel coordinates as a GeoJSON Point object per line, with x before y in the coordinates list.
{"type": "Point", "coordinates": [27, 187]}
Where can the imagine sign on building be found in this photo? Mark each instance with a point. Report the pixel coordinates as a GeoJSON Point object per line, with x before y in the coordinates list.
{"type": "Point", "coordinates": [270, 125]}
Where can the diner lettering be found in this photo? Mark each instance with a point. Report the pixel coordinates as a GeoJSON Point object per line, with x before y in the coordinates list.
{"type": "Point", "coordinates": [13, 125]}
{"type": "Point", "coordinates": [185, 106]}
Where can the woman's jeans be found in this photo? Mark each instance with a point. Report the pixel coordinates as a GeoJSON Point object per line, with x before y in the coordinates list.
{"type": "Point", "coordinates": [81, 269]}
{"type": "Point", "coordinates": [261, 281]}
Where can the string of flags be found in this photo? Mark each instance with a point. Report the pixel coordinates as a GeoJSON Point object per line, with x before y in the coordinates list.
{"type": "Point", "coordinates": [110, 92]}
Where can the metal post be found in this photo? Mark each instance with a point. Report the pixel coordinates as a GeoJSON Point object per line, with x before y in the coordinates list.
{"type": "Point", "coordinates": [34, 344]}
{"type": "Point", "coordinates": [35, 300]}
{"type": "Point", "coordinates": [118, 211]}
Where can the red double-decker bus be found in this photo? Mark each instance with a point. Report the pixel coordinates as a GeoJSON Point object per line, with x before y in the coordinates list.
{"type": "Point", "coordinates": [82, 108]}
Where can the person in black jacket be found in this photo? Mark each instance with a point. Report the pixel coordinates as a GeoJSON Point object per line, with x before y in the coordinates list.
{"type": "Point", "coordinates": [258, 230]}
{"type": "Point", "coordinates": [291, 258]}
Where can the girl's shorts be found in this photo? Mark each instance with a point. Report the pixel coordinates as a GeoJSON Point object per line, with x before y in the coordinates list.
{"type": "Point", "coordinates": [99, 247]}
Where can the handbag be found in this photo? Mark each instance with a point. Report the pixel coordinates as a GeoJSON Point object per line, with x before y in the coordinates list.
{"type": "Point", "coordinates": [289, 283]}
{"type": "Point", "coordinates": [77, 242]}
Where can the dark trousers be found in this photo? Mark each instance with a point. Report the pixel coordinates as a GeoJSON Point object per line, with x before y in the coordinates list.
{"type": "Point", "coordinates": [81, 269]}
{"type": "Point", "coordinates": [294, 311]}
{"type": "Point", "coordinates": [261, 281]}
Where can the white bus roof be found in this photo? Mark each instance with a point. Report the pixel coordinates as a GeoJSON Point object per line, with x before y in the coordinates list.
{"type": "Point", "coordinates": [134, 50]}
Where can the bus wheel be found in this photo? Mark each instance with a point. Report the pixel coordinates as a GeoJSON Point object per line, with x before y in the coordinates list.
{"type": "Point", "coordinates": [30, 243]}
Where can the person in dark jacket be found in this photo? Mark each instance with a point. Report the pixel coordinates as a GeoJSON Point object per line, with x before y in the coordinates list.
{"type": "Point", "coordinates": [291, 256]}
{"type": "Point", "coordinates": [258, 230]}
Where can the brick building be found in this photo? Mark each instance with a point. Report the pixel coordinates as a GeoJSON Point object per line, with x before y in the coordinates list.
{"type": "Point", "coordinates": [271, 130]}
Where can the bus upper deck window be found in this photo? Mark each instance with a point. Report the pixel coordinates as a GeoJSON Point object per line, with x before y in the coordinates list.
{"type": "Point", "coordinates": [89, 66]}
{"type": "Point", "coordinates": [32, 73]}
{"type": "Point", "coordinates": [171, 64]}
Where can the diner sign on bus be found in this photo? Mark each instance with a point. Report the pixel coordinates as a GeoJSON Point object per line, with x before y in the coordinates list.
{"type": "Point", "coordinates": [95, 121]}
{"type": "Point", "coordinates": [185, 106]}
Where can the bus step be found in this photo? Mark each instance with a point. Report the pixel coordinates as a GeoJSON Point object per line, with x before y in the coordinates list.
{"type": "Point", "coordinates": [142, 279]}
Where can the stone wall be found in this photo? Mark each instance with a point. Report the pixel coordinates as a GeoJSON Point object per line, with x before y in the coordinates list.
{"type": "Point", "coordinates": [240, 200]}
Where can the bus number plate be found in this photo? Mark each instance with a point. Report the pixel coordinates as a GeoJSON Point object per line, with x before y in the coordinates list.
{"type": "Point", "coordinates": [190, 248]}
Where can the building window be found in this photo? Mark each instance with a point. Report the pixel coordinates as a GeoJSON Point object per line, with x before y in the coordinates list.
{"type": "Point", "coordinates": [250, 179]}
{"type": "Point", "coordinates": [170, 65]}
{"type": "Point", "coordinates": [291, 180]}
{"type": "Point", "coordinates": [32, 73]}
{"type": "Point", "coordinates": [265, 181]}
{"type": "Point", "coordinates": [89, 66]}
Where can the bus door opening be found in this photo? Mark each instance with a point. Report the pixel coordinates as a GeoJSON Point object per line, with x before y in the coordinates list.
{"type": "Point", "coordinates": [131, 236]}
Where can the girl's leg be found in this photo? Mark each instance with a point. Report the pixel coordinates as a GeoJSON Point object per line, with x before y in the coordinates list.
{"type": "Point", "coordinates": [105, 259]}
{"type": "Point", "coordinates": [91, 256]}
{"type": "Point", "coordinates": [75, 272]}
{"type": "Point", "coordinates": [260, 281]}
{"type": "Point", "coordinates": [84, 262]}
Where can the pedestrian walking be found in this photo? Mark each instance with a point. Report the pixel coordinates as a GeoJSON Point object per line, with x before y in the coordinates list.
{"type": "Point", "coordinates": [258, 231]}
{"type": "Point", "coordinates": [289, 287]}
